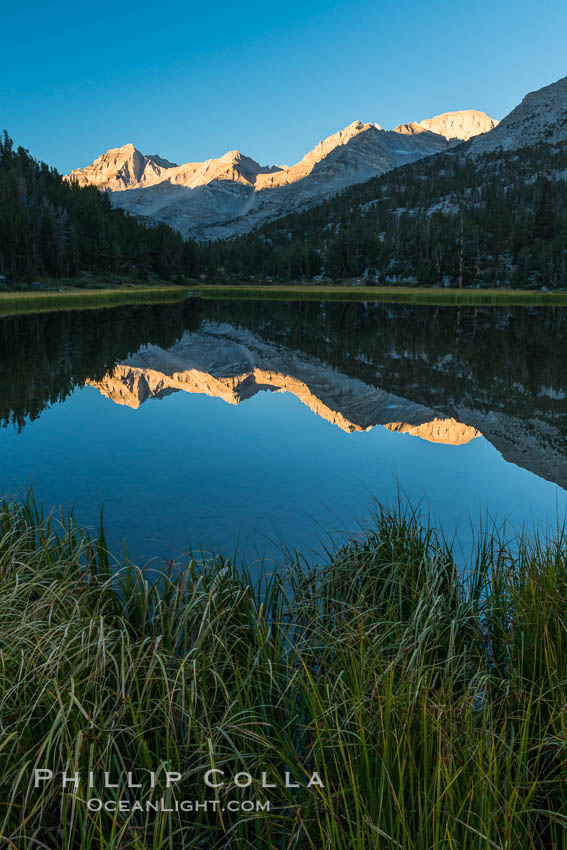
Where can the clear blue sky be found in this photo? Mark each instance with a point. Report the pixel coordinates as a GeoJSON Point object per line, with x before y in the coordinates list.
{"type": "Point", "coordinates": [192, 80]}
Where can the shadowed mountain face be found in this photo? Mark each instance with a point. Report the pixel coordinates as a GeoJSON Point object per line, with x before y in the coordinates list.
{"type": "Point", "coordinates": [443, 374]}
{"type": "Point", "coordinates": [540, 117]}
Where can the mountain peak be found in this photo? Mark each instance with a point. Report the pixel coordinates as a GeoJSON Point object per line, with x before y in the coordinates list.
{"type": "Point", "coordinates": [463, 124]}
{"type": "Point", "coordinates": [121, 162]}
{"type": "Point", "coordinates": [241, 192]}
{"type": "Point", "coordinates": [410, 129]}
{"type": "Point", "coordinates": [343, 136]}
{"type": "Point", "coordinates": [284, 176]}
{"type": "Point", "coordinates": [540, 117]}
{"type": "Point", "coordinates": [357, 127]}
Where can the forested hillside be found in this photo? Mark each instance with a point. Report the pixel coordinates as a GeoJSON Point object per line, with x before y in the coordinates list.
{"type": "Point", "coordinates": [51, 228]}
{"type": "Point", "coordinates": [452, 219]}
{"type": "Point", "coordinates": [499, 219]}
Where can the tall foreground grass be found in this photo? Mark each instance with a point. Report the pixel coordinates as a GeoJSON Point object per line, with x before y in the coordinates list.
{"type": "Point", "coordinates": [432, 704]}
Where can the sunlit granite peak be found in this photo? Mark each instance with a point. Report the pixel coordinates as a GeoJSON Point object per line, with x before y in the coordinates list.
{"type": "Point", "coordinates": [463, 124]}
{"type": "Point", "coordinates": [233, 194]}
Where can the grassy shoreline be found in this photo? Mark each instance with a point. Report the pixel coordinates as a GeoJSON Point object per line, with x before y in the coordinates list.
{"type": "Point", "coordinates": [431, 703]}
{"type": "Point", "coordinates": [13, 303]}
{"type": "Point", "coordinates": [390, 294]}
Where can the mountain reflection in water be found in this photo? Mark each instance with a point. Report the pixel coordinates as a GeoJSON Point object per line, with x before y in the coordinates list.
{"type": "Point", "coordinates": [447, 375]}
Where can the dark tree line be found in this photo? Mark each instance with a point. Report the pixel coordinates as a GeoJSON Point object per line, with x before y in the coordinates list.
{"type": "Point", "coordinates": [451, 219]}
{"type": "Point", "coordinates": [49, 227]}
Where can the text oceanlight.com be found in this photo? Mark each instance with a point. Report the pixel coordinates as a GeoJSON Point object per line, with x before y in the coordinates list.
{"type": "Point", "coordinates": [96, 804]}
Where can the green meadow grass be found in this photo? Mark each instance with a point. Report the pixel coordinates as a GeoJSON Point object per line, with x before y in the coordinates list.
{"type": "Point", "coordinates": [431, 701]}
{"type": "Point", "coordinates": [12, 303]}
{"type": "Point", "coordinates": [391, 294]}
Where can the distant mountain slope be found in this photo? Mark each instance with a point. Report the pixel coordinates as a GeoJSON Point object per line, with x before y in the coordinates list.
{"type": "Point", "coordinates": [540, 117]}
{"type": "Point", "coordinates": [369, 151]}
{"type": "Point", "coordinates": [233, 194]}
{"type": "Point", "coordinates": [495, 218]}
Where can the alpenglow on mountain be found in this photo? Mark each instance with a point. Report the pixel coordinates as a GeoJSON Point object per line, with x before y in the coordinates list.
{"type": "Point", "coordinates": [234, 194]}
{"type": "Point", "coordinates": [491, 212]}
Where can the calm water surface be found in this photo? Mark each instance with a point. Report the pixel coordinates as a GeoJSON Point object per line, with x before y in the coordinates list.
{"type": "Point", "coordinates": [248, 425]}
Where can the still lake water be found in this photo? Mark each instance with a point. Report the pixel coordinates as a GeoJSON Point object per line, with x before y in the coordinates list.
{"type": "Point", "coordinates": [248, 425]}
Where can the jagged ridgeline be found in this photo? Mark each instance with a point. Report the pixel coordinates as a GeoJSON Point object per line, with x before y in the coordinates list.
{"type": "Point", "coordinates": [53, 228]}
{"type": "Point", "coordinates": [490, 212]}
{"type": "Point", "coordinates": [233, 194]}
